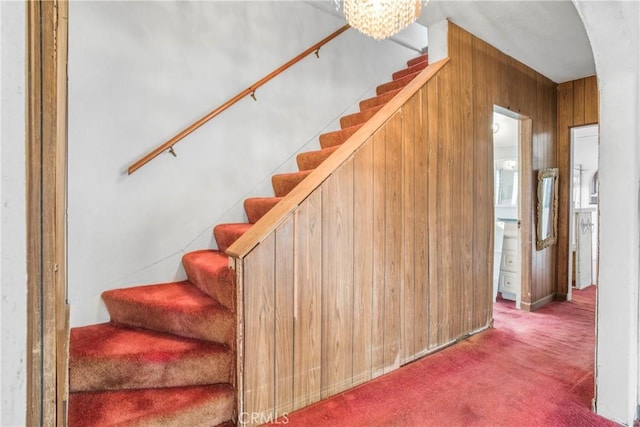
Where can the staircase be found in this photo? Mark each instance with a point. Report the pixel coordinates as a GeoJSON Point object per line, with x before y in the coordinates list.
{"type": "Point", "coordinates": [167, 356]}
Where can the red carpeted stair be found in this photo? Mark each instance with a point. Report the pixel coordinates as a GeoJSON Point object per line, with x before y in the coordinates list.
{"type": "Point", "coordinates": [168, 355]}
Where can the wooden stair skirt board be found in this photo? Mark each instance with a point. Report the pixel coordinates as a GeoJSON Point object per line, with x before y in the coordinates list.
{"type": "Point", "coordinates": [176, 342]}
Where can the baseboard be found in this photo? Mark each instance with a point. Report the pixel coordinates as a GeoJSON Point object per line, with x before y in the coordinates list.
{"type": "Point", "coordinates": [537, 304]}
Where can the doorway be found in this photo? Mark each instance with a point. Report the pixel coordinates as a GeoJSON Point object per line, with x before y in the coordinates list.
{"type": "Point", "coordinates": [512, 170]}
{"type": "Point", "coordinates": [583, 214]}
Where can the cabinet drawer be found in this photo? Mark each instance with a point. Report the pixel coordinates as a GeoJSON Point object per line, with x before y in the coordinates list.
{"type": "Point", "coordinates": [509, 282]}
{"type": "Point", "coordinates": [510, 261]}
{"type": "Point", "coordinates": [510, 244]}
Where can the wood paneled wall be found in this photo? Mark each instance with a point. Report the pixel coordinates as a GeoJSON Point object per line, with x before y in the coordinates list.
{"type": "Point", "coordinates": [391, 256]}
{"type": "Point", "coordinates": [577, 106]}
{"type": "Point", "coordinates": [500, 80]}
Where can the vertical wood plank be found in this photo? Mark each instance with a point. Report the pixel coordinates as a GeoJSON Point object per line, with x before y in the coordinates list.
{"type": "Point", "coordinates": [337, 281]}
{"type": "Point", "coordinates": [393, 243]}
{"type": "Point", "coordinates": [525, 210]}
{"type": "Point", "coordinates": [34, 215]}
{"type": "Point", "coordinates": [433, 149]}
{"type": "Point", "coordinates": [447, 310]}
{"type": "Point", "coordinates": [591, 100]}
{"type": "Point", "coordinates": [307, 301]}
{"type": "Point", "coordinates": [284, 285]}
{"type": "Point", "coordinates": [259, 366]}
{"type": "Point", "coordinates": [455, 302]}
{"type": "Point", "coordinates": [466, 186]}
{"type": "Point", "coordinates": [363, 263]}
{"type": "Point", "coordinates": [421, 224]}
{"type": "Point", "coordinates": [408, 292]}
{"type": "Point", "coordinates": [379, 206]}
{"type": "Point", "coordinates": [578, 102]}
{"type": "Point", "coordinates": [483, 192]}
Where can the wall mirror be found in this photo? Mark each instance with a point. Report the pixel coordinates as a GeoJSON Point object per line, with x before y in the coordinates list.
{"type": "Point", "coordinates": [547, 221]}
{"type": "Point", "coordinates": [506, 181]}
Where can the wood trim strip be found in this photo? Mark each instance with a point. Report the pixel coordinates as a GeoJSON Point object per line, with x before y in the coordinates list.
{"type": "Point", "coordinates": [34, 211]}
{"type": "Point", "coordinates": [538, 304]}
{"type": "Point", "coordinates": [248, 91]}
{"type": "Point", "coordinates": [275, 216]}
{"type": "Point", "coordinates": [46, 187]}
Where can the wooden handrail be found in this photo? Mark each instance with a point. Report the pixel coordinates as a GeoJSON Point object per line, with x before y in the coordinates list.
{"type": "Point", "coordinates": [248, 91]}
{"type": "Point", "coordinates": [272, 219]}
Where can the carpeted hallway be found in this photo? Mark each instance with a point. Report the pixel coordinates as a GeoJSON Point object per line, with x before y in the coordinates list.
{"type": "Point", "coordinates": [531, 369]}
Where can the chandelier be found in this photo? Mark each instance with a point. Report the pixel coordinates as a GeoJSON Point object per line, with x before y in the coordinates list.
{"type": "Point", "coordinates": [380, 19]}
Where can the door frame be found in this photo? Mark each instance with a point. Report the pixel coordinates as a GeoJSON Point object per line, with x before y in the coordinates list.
{"type": "Point", "coordinates": [46, 197]}
{"type": "Point", "coordinates": [572, 211]}
{"type": "Point", "coordinates": [525, 203]}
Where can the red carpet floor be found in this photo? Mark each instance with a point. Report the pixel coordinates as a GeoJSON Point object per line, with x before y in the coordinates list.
{"type": "Point", "coordinates": [531, 369]}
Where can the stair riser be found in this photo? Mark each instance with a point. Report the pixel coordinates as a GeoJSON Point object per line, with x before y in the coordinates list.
{"type": "Point", "coordinates": [410, 70]}
{"type": "Point", "coordinates": [218, 284]}
{"type": "Point", "coordinates": [257, 208]}
{"type": "Point", "coordinates": [226, 237]}
{"type": "Point", "coordinates": [216, 326]}
{"type": "Point", "coordinates": [395, 84]}
{"type": "Point", "coordinates": [378, 100]}
{"type": "Point", "coordinates": [167, 370]}
{"type": "Point", "coordinates": [332, 139]}
{"type": "Point", "coordinates": [283, 184]}
{"type": "Point", "coordinates": [189, 406]}
{"type": "Point", "coordinates": [311, 160]}
{"type": "Point", "coordinates": [417, 60]}
{"type": "Point", "coordinates": [359, 118]}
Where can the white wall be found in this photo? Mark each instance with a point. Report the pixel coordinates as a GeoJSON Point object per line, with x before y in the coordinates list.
{"type": "Point", "coordinates": [139, 72]}
{"type": "Point", "coordinates": [13, 323]}
{"type": "Point", "coordinates": [612, 28]}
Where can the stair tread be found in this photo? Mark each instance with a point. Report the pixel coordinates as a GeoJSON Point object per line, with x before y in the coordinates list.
{"type": "Point", "coordinates": [191, 405]}
{"type": "Point", "coordinates": [209, 270]}
{"type": "Point", "coordinates": [111, 340]}
{"type": "Point", "coordinates": [110, 356]}
{"type": "Point", "coordinates": [178, 308]}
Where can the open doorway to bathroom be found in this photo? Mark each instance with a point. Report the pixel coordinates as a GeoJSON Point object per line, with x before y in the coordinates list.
{"type": "Point", "coordinates": [583, 224]}
{"type": "Point", "coordinates": [507, 172]}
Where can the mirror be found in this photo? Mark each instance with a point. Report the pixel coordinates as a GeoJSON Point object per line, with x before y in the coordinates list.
{"type": "Point", "coordinates": [506, 180]}
{"type": "Point", "coordinates": [547, 223]}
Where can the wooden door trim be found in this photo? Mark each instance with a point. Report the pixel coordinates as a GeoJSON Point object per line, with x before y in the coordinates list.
{"type": "Point", "coordinates": [525, 208]}
{"type": "Point", "coordinates": [46, 189]}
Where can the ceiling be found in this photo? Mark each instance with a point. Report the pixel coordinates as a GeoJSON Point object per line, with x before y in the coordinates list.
{"type": "Point", "coordinates": [545, 35]}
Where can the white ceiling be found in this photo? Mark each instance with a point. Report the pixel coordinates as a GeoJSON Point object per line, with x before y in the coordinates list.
{"type": "Point", "coordinates": [546, 35]}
